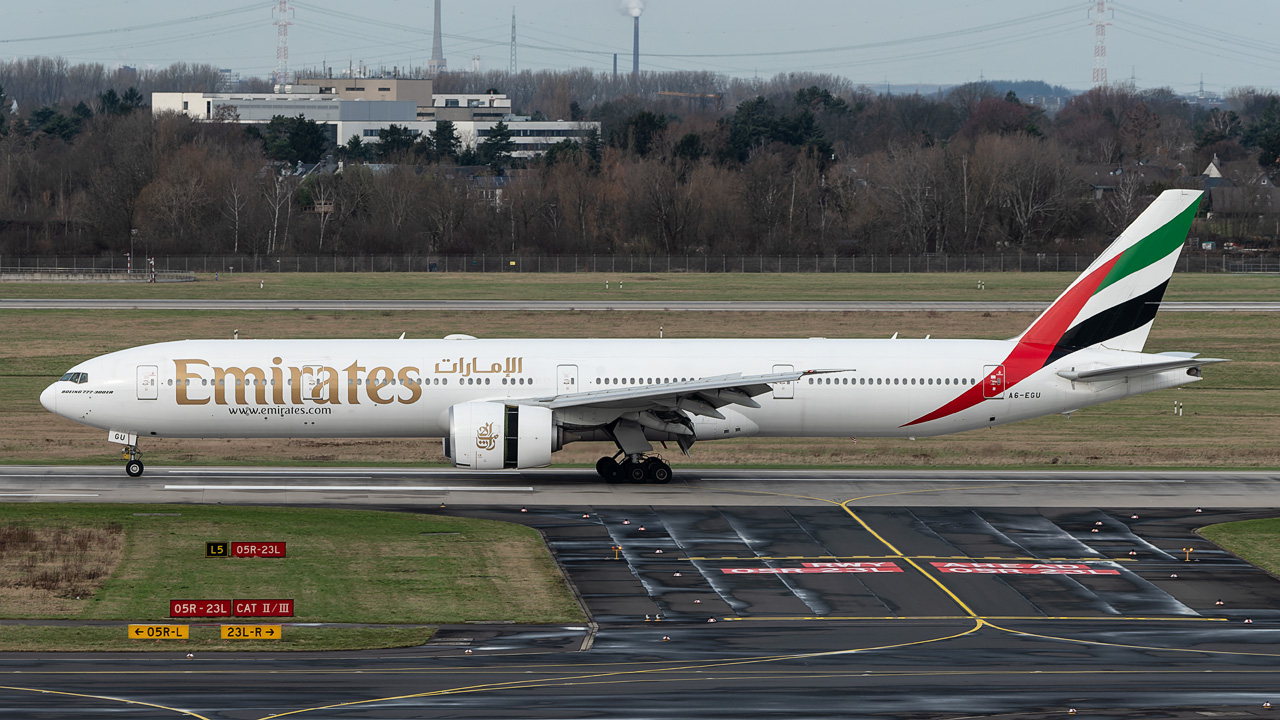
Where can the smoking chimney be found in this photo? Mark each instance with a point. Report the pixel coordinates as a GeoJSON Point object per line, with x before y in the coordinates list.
{"type": "Point", "coordinates": [633, 8]}
{"type": "Point", "coordinates": [635, 49]}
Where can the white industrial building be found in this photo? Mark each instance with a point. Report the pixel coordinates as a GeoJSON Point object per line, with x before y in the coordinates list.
{"type": "Point", "coordinates": [473, 116]}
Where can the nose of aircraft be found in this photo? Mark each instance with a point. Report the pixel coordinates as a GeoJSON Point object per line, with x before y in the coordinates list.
{"type": "Point", "coordinates": [49, 399]}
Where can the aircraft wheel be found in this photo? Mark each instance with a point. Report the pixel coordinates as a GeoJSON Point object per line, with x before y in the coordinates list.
{"type": "Point", "coordinates": [133, 468]}
{"type": "Point", "coordinates": [635, 472]}
{"type": "Point", "coordinates": [607, 468]}
{"type": "Point", "coordinates": [658, 471]}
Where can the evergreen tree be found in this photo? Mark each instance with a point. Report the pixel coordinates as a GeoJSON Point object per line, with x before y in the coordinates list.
{"type": "Point", "coordinates": [355, 150]}
{"type": "Point", "coordinates": [564, 150]}
{"type": "Point", "coordinates": [591, 143]}
{"type": "Point", "coordinates": [394, 141]}
{"type": "Point", "coordinates": [496, 148]}
{"type": "Point", "coordinates": [689, 148]}
{"type": "Point", "coordinates": [640, 132]}
{"type": "Point", "coordinates": [109, 103]}
{"type": "Point", "coordinates": [1265, 134]}
{"type": "Point", "coordinates": [445, 142]}
{"type": "Point", "coordinates": [50, 121]}
{"type": "Point", "coordinates": [132, 100]}
{"type": "Point", "coordinates": [294, 139]}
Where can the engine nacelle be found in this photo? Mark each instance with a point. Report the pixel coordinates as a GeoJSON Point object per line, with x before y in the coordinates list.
{"type": "Point", "coordinates": [493, 436]}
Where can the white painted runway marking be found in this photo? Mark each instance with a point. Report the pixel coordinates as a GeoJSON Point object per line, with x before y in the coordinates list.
{"type": "Point", "coordinates": [49, 495]}
{"type": "Point", "coordinates": [56, 475]}
{"type": "Point", "coordinates": [349, 472]}
{"type": "Point", "coordinates": [353, 488]}
{"type": "Point", "coordinates": [1000, 480]}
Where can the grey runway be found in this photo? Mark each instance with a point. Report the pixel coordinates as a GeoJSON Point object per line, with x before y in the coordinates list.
{"type": "Point", "coordinates": [691, 486]}
{"type": "Point", "coordinates": [835, 594]}
{"type": "Point", "coordinates": [589, 305]}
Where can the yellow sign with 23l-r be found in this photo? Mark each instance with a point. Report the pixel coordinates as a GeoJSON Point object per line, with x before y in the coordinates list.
{"type": "Point", "coordinates": [252, 632]}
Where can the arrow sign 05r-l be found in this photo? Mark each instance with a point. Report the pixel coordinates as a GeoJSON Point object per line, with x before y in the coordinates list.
{"type": "Point", "coordinates": [158, 632]}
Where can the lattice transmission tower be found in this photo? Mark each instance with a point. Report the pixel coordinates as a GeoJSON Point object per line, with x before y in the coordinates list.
{"type": "Point", "coordinates": [282, 23]}
{"type": "Point", "coordinates": [1101, 17]}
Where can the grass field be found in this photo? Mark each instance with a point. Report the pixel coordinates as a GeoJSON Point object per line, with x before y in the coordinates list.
{"type": "Point", "coordinates": [1232, 417]}
{"type": "Point", "coordinates": [342, 566]}
{"type": "Point", "coordinates": [1257, 541]}
{"type": "Point", "coordinates": [663, 286]}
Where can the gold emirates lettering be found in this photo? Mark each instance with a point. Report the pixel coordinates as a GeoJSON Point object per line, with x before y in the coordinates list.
{"type": "Point", "coordinates": [198, 382]}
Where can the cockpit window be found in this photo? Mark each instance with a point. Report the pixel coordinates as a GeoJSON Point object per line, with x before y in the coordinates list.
{"type": "Point", "coordinates": [66, 377]}
{"type": "Point", "coordinates": [75, 377]}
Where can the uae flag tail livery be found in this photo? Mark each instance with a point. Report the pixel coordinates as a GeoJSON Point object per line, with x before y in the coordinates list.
{"type": "Point", "coordinates": [509, 404]}
{"type": "Point", "coordinates": [1111, 306]}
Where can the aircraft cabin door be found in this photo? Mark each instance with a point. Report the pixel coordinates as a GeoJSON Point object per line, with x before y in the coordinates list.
{"type": "Point", "coordinates": [566, 379]}
{"type": "Point", "coordinates": [993, 382]}
{"type": "Point", "coordinates": [310, 379]}
{"type": "Point", "coordinates": [148, 382]}
{"type": "Point", "coordinates": [784, 390]}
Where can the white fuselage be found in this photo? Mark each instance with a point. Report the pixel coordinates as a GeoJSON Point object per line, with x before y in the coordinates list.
{"type": "Point", "coordinates": [405, 388]}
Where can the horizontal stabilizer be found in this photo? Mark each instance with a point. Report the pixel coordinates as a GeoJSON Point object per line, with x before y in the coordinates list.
{"type": "Point", "coordinates": [1119, 372]}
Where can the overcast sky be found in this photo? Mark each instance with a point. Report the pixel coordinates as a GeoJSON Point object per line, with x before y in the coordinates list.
{"type": "Point", "coordinates": [1161, 42]}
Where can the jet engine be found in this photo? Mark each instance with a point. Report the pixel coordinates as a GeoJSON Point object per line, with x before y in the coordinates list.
{"type": "Point", "coordinates": [492, 435]}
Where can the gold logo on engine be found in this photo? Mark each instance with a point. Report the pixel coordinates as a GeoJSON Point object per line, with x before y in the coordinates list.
{"type": "Point", "coordinates": [486, 438]}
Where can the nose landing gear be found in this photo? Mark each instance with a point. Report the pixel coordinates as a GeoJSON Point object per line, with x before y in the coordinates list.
{"type": "Point", "coordinates": [133, 460]}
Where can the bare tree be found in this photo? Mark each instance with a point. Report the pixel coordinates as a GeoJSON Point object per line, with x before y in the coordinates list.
{"type": "Point", "coordinates": [172, 202]}
{"type": "Point", "coordinates": [398, 195]}
{"type": "Point", "coordinates": [278, 191]}
{"type": "Point", "coordinates": [764, 192]}
{"type": "Point", "coordinates": [1140, 132]}
{"type": "Point", "coordinates": [667, 203]}
{"type": "Point", "coordinates": [909, 179]}
{"type": "Point", "coordinates": [234, 201]}
{"type": "Point", "coordinates": [448, 204]}
{"type": "Point", "coordinates": [323, 194]}
{"type": "Point", "coordinates": [1123, 203]}
{"type": "Point", "coordinates": [1035, 191]}
{"type": "Point", "coordinates": [124, 164]}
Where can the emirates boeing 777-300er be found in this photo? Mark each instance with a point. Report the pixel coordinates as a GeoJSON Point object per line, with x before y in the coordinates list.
{"type": "Point", "coordinates": [512, 403]}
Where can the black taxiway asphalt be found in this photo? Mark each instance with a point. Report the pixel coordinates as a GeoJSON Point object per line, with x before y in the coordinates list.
{"type": "Point", "coordinates": [820, 611]}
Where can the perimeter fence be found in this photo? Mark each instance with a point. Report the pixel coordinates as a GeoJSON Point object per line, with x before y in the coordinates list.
{"type": "Point", "coordinates": [489, 263]}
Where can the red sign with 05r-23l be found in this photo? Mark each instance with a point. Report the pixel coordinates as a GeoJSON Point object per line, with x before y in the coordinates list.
{"type": "Point", "coordinates": [199, 608]}
{"type": "Point", "coordinates": [257, 549]}
{"type": "Point", "coordinates": [231, 608]}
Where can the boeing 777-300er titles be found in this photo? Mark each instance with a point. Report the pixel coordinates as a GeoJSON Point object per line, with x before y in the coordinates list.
{"type": "Point", "coordinates": [512, 403]}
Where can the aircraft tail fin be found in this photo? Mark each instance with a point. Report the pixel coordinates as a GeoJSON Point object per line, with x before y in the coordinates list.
{"type": "Point", "coordinates": [1114, 301]}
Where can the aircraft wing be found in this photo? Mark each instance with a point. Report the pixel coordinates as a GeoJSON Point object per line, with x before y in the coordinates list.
{"type": "Point", "coordinates": [1119, 372]}
{"type": "Point", "coordinates": [699, 397]}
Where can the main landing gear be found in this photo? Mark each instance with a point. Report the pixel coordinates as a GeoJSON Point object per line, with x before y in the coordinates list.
{"type": "Point", "coordinates": [634, 468]}
{"type": "Point", "coordinates": [133, 460]}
